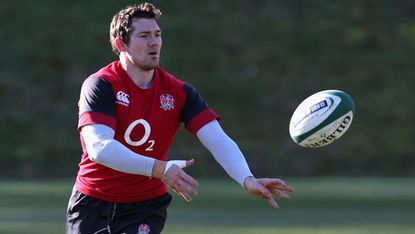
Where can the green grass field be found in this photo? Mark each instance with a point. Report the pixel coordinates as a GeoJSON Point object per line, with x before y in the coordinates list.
{"type": "Point", "coordinates": [324, 205]}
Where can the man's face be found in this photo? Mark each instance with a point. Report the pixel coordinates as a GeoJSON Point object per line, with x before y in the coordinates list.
{"type": "Point", "coordinates": [145, 43]}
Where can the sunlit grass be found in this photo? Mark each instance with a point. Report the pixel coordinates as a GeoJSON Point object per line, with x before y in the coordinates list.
{"type": "Point", "coordinates": [319, 205]}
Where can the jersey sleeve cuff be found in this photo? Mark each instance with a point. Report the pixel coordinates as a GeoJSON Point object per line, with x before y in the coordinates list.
{"type": "Point", "coordinates": [200, 120]}
{"type": "Point", "coordinates": [95, 118]}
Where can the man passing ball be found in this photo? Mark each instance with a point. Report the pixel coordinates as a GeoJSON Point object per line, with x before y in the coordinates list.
{"type": "Point", "coordinates": [129, 114]}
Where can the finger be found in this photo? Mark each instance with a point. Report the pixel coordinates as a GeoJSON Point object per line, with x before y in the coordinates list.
{"type": "Point", "coordinates": [186, 187]}
{"type": "Point", "coordinates": [190, 162]}
{"type": "Point", "coordinates": [188, 179]}
{"type": "Point", "coordinates": [266, 194]}
{"type": "Point", "coordinates": [277, 184]}
{"type": "Point", "coordinates": [274, 182]}
{"type": "Point", "coordinates": [184, 195]}
{"type": "Point", "coordinates": [284, 186]}
{"type": "Point", "coordinates": [288, 188]}
{"type": "Point", "coordinates": [171, 163]}
{"type": "Point", "coordinates": [273, 202]}
{"type": "Point", "coordinates": [280, 194]}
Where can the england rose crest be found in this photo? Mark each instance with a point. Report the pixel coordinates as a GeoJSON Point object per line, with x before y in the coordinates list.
{"type": "Point", "coordinates": [167, 102]}
{"type": "Point", "coordinates": [143, 229]}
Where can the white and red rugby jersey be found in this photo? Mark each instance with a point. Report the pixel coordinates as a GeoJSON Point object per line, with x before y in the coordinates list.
{"type": "Point", "coordinates": [144, 120]}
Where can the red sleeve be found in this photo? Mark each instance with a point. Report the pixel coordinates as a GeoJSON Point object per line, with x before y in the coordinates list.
{"type": "Point", "coordinates": [96, 118]}
{"type": "Point", "coordinates": [198, 121]}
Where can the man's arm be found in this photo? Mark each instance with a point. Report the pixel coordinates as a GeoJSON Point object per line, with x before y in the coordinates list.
{"type": "Point", "coordinates": [225, 151]}
{"type": "Point", "coordinates": [229, 156]}
{"type": "Point", "coordinates": [104, 149]}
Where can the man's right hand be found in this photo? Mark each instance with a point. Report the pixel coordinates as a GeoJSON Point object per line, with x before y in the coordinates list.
{"type": "Point", "coordinates": [181, 183]}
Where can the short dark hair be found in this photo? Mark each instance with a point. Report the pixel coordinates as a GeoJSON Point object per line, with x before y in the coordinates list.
{"type": "Point", "coordinates": [121, 25]}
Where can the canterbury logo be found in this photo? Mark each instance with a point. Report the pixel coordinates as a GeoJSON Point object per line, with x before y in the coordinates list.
{"type": "Point", "coordinates": [123, 98]}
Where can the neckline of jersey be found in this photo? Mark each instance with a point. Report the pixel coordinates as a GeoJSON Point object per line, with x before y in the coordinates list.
{"type": "Point", "coordinates": [125, 76]}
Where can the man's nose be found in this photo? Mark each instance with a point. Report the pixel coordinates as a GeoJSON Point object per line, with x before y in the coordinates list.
{"type": "Point", "coordinates": [154, 41]}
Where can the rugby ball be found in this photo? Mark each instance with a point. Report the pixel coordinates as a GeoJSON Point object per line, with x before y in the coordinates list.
{"type": "Point", "coordinates": [322, 118]}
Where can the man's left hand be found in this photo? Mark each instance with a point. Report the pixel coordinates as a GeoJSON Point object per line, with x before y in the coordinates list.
{"type": "Point", "coordinates": [266, 188]}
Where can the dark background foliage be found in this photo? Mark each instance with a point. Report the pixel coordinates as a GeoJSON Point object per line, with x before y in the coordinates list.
{"type": "Point", "coordinates": [253, 61]}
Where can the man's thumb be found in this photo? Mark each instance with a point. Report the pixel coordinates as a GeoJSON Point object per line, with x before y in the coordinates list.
{"type": "Point", "coordinates": [179, 163]}
{"type": "Point", "coordinates": [190, 162]}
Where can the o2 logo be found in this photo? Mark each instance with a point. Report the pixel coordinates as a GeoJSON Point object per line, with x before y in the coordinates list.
{"type": "Point", "coordinates": [147, 131]}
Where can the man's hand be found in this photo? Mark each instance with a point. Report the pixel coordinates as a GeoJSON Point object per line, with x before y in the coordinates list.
{"type": "Point", "coordinates": [266, 188]}
{"type": "Point", "coordinates": [176, 178]}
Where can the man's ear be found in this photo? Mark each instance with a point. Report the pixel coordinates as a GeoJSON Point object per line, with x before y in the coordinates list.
{"type": "Point", "coordinates": [119, 44]}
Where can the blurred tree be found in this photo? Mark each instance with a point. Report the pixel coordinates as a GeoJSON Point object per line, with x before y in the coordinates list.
{"type": "Point", "coordinates": [253, 61]}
